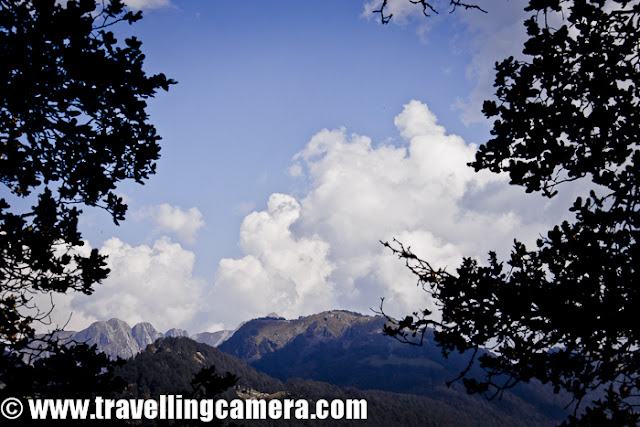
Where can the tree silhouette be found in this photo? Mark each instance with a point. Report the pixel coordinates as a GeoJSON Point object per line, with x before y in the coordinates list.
{"type": "Point", "coordinates": [72, 125]}
{"type": "Point", "coordinates": [564, 312]}
{"type": "Point", "coordinates": [206, 384]}
{"type": "Point", "coordinates": [71, 371]}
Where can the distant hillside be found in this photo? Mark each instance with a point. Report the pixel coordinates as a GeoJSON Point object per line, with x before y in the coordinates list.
{"type": "Point", "coordinates": [341, 348]}
{"type": "Point", "coordinates": [349, 350]}
{"type": "Point", "coordinates": [167, 366]}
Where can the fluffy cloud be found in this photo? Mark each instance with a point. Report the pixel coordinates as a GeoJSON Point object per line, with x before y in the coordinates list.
{"type": "Point", "coordinates": [172, 219]}
{"type": "Point", "coordinates": [147, 284]}
{"type": "Point", "coordinates": [362, 194]}
{"type": "Point", "coordinates": [151, 284]}
{"type": "Point", "coordinates": [148, 4]}
{"type": "Point", "coordinates": [323, 251]}
{"type": "Point", "coordinates": [281, 272]}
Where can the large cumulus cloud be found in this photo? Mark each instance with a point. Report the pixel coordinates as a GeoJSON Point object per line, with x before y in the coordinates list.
{"type": "Point", "coordinates": [184, 224]}
{"type": "Point", "coordinates": [281, 271]}
{"type": "Point", "coordinates": [147, 284]}
{"type": "Point", "coordinates": [323, 250]}
{"type": "Point", "coordinates": [320, 249]}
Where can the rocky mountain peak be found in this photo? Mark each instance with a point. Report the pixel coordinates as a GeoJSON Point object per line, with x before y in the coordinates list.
{"type": "Point", "coordinates": [265, 335]}
{"type": "Point", "coordinates": [118, 324]}
{"type": "Point", "coordinates": [112, 337]}
{"type": "Point", "coordinates": [117, 339]}
{"type": "Point", "coordinates": [213, 339]}
{"type": "Point", "coordinates": [145, 334]}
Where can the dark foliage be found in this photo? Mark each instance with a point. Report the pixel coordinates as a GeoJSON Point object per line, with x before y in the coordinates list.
{"type": "Point", "coordinates": [170, 365]}
{"type": "Point", "coordinates": [72, 371]}
{"type": "Point", "coordinates": [72, 125]}
{"type": "Point", "coordinates": [354, 353]}
{"type": "Point", "coordinates": [167, 366]}
{"type": "Point", "coordinates": [564, 312]}
{"type": "Point", "coordinates": [68, 372]}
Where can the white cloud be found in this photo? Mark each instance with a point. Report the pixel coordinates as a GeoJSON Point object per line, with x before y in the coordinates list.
{"type": "Point", "coordinates": [323, 251]}
{"type": "Point", "coordinates": [173, 219]}
{"type": "Point", "coordinates": [148, 4]}
{"type": "Point", "coordinates": [146, 284]}
{"type": "Point", "coordinates": [281, 272]}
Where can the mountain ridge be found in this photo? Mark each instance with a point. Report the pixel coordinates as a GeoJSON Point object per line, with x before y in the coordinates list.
{"type": "Point", "coordinates": [167, 366]}
{"type": "Point", "coordinates": [348, 349]}
{"type": "Point", "coordinates": [341, 348]}
{"type": "Point", "coordinates": [116, 338]}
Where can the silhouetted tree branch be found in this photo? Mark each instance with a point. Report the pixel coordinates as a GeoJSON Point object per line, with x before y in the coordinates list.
{"type": "Point", "coordinates": [72, 126]}
{"type": "Point", "coordinates": [564, 313]}
{"type": "Point", "coordinates": [427, 8]}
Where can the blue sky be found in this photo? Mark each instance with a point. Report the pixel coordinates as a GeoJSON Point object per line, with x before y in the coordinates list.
{"type": "Point", "coordinates": [299, 135]}
{"type": "Point", "coordinates": [256, 82]}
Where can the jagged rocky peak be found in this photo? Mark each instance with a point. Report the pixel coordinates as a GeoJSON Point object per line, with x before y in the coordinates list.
{"type": "Point", "coordinates": [144, 333]}
{"type": "Point", "coordinates": [113, 337]}
{"type": "Point", "coordinates": [120, 328]}
{"type": "Point", "coordinates": [118, 324]}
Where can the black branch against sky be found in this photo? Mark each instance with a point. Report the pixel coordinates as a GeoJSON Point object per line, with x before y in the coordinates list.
{"type": "Point", "coordinates": [565, 312]}
{"type": "Point", "coordinates": [73, 124]}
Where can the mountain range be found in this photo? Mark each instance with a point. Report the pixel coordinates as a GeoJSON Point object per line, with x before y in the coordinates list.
{"type": "Point", "coordinates": [339, 349]}
{"type": "Point", "coordinates": [168, 365]}
{"type": "Point", "coordinates": [349, 350]}
{"type": "Point", "coordinates": [116, 338]}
